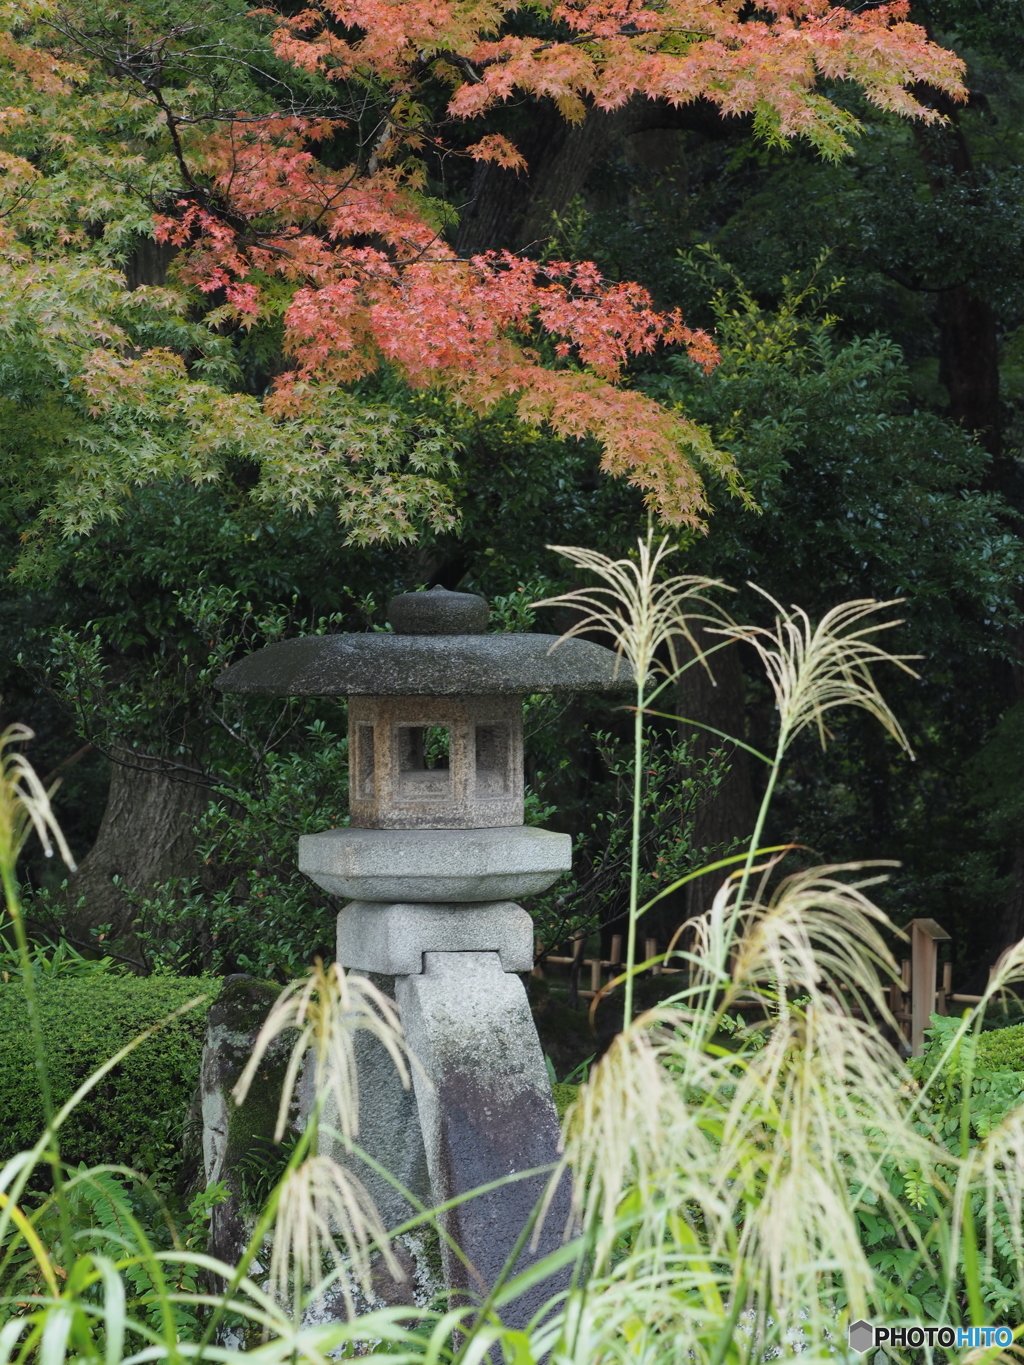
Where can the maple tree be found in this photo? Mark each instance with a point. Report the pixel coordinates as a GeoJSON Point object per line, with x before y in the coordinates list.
{"type": "Point", "coordinates": [280, 217]}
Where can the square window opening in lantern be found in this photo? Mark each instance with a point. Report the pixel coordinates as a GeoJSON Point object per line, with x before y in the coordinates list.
{"type": "Point", "coordinates": [424, 753]}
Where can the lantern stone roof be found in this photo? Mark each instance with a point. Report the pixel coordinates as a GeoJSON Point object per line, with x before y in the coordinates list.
{"type": "Point", "coordinates": [436, 648]}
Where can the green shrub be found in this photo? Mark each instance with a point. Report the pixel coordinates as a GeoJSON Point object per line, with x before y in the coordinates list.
{"type": "Point", "coordinates": [997, 1089]}
{"type": "Point", "coordinates": [997, 1085]}
{"type": "Point", "coordinates": [1001, 1050]}
{"type": "Point", "coordinates": [998, 1051]}
{"type": "Point", "coordinates": [136, 1114]}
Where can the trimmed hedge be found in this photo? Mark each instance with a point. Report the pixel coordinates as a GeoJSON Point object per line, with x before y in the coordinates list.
{"type": "Point", "coordinates": [136, 1113]}
{"type": "Point", "coordinates": [1001, 1049]}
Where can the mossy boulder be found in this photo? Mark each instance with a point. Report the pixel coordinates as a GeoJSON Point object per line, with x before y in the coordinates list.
{"type": "Point", "coordinates": [564, 1095]}
{"type": "Point", "coordinates": [238, 1140]}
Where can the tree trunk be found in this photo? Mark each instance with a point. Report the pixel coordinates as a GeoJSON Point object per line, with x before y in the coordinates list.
{"type": "Point", "coordinates": [148, 262]}
{"type": "Point", "coordinates": [1011, 925]}
{"type": "Point", "coordinates": [516, 210]}
{"type": "Point", "coordinates": [513, 209]}
{"type": "Point", "coordinates": [969, 365]}
{"type": "Point", "coordinates": [500, 198]}
{"type": "Point", "coordinates": [969, 347]}
{"type": "Point", "coordinates": [729, 812]}
{"type": "Point", "coordinates": [144, 839]}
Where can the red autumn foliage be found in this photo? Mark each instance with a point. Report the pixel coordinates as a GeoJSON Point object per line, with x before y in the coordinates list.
{"type": "Point", "coordinates": [375, 282]}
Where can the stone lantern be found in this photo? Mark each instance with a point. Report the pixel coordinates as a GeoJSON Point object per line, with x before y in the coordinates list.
{"type": "Point", "coordinates": [431, 868]}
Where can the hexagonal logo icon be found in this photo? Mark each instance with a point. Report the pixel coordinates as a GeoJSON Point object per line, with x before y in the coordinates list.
{"type": "Point", "coordinates": [861, 1336]}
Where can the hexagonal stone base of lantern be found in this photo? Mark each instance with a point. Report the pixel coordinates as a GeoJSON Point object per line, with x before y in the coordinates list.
{"type": "Point", "coordinates": [485, 1111]}
{"type": "Point", "coordinates": [392, 939]}
{"type": "Point", "coordinates": [435, 865]}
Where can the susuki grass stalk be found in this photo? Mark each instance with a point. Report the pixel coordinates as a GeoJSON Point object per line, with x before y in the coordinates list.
{"type": "Point", "coordinates": [813, 669]}
{"type": "Point", "coordinates": [24, 807]}
{"type": "Point", "coordinates": [647, 612]}
{"type": "Point", "coordinates": [634, 853]}
{"type": "Point", "coordinates": [739, 1173]}
{"type": "Point", "coordinates": [968, 1232]}
{"type": "Point", "coordinates": [734, 1176]}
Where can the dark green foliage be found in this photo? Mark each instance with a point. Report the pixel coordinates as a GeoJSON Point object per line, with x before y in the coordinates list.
{"type": "Point", "coordinates": [863, 495]}
{"type": "Point", "coordinates": [994, 783]}
{"type": "Point", "coordinates": [995, 1060]}
{"type": "Point", "coordinates": [49, 962]}
{"type": "Point", "coordinates": [992, 24]}
{"type": "Point", "coordinates": [253, 911]}
{"type": "Point", "coordinates": [858, 493]}
{"type": "Point", "coordinates": [595, 895]}
{"type": "Point", "coordinates": [136, 1114]}
{"type": "Point", "coordinates": [995, 1050]}
{"type": "Point", "coordinates": [1001, 1050]}
{"type": "Point", "coordinates": [262, 1167]}
{"type": "Point", "coordinates": [113, 1216]}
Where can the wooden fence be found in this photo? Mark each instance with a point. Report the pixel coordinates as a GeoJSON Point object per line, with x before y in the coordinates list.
{"type": "Point", "coordinates": [920, 991]}
{"type": "Point", "coordinates": [594, 969]}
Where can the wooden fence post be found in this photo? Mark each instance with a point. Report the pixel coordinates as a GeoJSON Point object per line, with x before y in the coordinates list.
{"type": "Point", "coordinates": [616, 957]}
{"type": "Point", "coordinates": [579, 945]}
{"type": "Point", "coordinates": [651, 950]}
{"type": "Point", "coordinates": [945, 990]}
{"type": "Point", "coordinates": [925, 937]}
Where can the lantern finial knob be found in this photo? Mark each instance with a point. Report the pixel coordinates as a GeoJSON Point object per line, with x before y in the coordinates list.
{"type": "Point", "coordinates": [438, 612]}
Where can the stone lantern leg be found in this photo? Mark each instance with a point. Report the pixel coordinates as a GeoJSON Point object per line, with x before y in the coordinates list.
{"type": "Point", "coordinates": [432, 866]}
